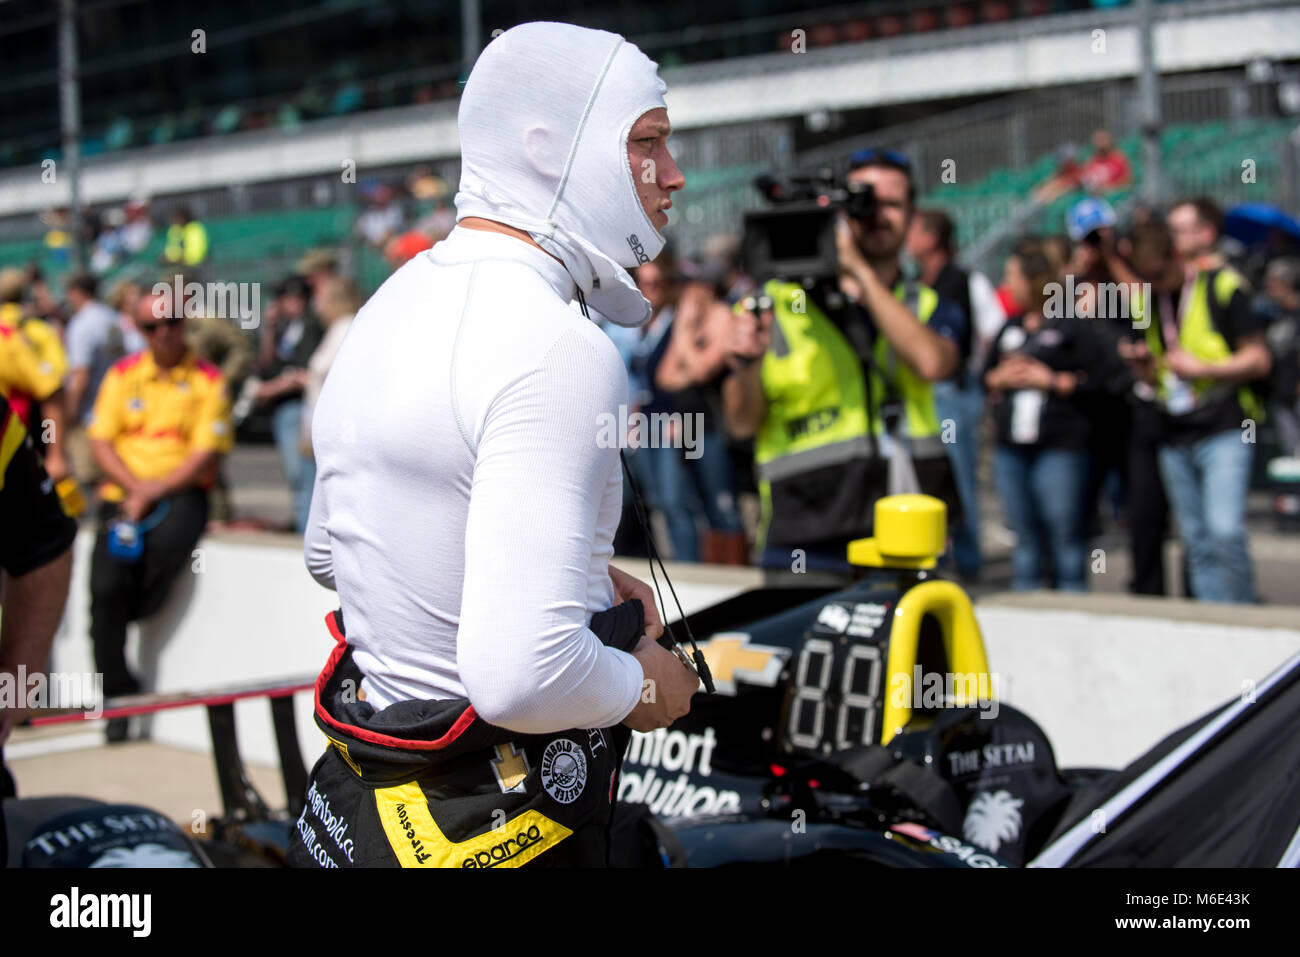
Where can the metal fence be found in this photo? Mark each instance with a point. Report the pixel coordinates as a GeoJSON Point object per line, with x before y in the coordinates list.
{"type": "Point", "coordinates": [721, 164]}
{"type": "Point", "coordinates": [1018, 131]}
{"type": "Point", "coordinates": [1015, 131]}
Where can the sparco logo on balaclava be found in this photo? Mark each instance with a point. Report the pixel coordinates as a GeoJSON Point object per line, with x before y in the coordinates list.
{"type": "Point", "coordinates": [637, 250]}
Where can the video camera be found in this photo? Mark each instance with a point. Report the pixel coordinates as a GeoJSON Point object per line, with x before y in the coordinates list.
{"type": "Point", "coordinates": [794, 238]}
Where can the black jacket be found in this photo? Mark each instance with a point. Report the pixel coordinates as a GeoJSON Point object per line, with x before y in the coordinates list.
{"type": "Point", "coordinates": [1064, 345]}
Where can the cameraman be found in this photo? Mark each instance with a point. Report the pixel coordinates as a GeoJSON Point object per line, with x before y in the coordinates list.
{"type": "Point", "coordinates": [834, 384]}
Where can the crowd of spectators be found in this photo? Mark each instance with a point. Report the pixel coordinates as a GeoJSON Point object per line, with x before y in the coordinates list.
{"type": "Point", "coordinates": [129, 397]}
{"type": "Point", "coordinates": [404, 219]}
{"type": "Point", "coordinates": [1115, 381]}
{"type": "Point", "coordinates": [1111, 380]}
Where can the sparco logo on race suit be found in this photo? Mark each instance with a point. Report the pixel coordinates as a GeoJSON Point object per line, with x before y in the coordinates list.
{"type": "Point", "coordinates": [500, 853]}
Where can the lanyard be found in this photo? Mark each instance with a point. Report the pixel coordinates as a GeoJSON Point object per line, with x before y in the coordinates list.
{"type": "Point", "coordinates": [1174, 327]}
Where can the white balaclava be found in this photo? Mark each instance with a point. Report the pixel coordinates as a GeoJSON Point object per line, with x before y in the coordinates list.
{"type": "Point", "coordinates": [544, 120]}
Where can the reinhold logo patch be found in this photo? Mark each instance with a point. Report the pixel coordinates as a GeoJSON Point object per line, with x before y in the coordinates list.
{"type": "Point", "coordinates": [103, 910]}
{"type": "Point", "coordinates": [564, 770]}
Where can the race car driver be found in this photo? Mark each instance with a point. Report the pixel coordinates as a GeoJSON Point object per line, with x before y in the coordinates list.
{"type": "Point", "coordinates": [477, 701]}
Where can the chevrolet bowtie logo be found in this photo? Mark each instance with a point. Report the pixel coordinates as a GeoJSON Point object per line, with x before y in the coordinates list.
{"type": "Point", "coordinates": [731, 657]}
{"type": "Point", "coordinates": [510, 767]}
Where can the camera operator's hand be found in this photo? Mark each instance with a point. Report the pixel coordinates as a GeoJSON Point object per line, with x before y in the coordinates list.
{"type": "Point", "coordinates": [666, 691]}
{"type": "Point", "coordinates": [750, 334]}
{"type": "Point", "coordinates": [852, 262]}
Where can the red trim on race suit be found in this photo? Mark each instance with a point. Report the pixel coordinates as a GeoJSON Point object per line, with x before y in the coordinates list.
{"type": "Point", "coordinates": [467, 717]}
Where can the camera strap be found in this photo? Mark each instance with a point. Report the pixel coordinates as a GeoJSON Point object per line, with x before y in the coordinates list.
{"type": "Point", "coordinates": [669, 639]}
{"type": "Point", "coordinates": [855, 323]}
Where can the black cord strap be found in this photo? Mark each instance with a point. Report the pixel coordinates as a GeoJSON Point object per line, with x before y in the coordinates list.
{"type": "Point", "coordinates": [638, 505]}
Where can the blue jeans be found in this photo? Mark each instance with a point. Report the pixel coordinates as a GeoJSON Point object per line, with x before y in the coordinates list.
{"type": "Point", "coordinates": [299, 469]}
{"type": "Point", "coordinates": [714, 480]}
{"type": "Point", "coordinates": [1207, 482]}
{"type": "Point", "coordinates": [661, 474]}
{"type": "Point", "coordinates": [1043, 491]}
{"type": "Point", "coordinates": [964, 407]}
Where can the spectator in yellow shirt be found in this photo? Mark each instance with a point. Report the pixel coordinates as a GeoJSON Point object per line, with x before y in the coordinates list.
{"type": "Point", "coordinates": [160, 424]}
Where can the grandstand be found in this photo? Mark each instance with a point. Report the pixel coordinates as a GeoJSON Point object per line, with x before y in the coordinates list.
{"type": "Point", "coordinates": [872, 74]}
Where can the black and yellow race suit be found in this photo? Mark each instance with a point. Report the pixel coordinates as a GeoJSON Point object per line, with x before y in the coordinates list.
{"type": "Point", "coordinates": [431, 784]}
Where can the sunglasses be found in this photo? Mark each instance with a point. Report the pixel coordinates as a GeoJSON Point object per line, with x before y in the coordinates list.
{"type": "Point", "coordinates": [148, 328]}
{"type": "Point", "coordinates": [892, 157]}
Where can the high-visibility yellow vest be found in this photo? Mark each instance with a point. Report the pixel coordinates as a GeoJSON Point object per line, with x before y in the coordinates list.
{"type": "Point", "coordinates": [186, 244]}
{"type": "Point", "coordinates": [818, 414]}
{"type": "Point", "coordinates": [920, 422]}
{"type": "Point", "coordinates": [1198, 336]}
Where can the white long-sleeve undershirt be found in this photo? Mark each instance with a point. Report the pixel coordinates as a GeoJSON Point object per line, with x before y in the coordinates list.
{"type": "Point", "coordinates": [464, 506]}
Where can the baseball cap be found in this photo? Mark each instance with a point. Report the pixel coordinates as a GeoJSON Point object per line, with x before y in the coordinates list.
{"type": "Point", "coordinates": [1087, 215]}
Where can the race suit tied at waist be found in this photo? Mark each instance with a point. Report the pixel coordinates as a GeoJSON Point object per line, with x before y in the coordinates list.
{"type": "Point", "coordinates": [431, 784]}
{"type": "Point", "coordinates": [422, 734]}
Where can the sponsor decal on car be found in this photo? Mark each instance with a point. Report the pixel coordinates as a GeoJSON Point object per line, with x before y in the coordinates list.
{"type": "Point", "coordinates": [732, 657]}
{"type": "Point", "coordinates": [970, 856]}
{"type": "Point", "coordinates": [1012, 754]}
{"type": "Point", "coordinates": [835, 617]}
{"type": "Point", "coordinates": [860, 619]}
{"type": "Point", "coordinates": [691, 755]}
{"type": "Point", "coordinates": [867, 617]}
{"type": "Point", "coordinates": [993, 819]}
